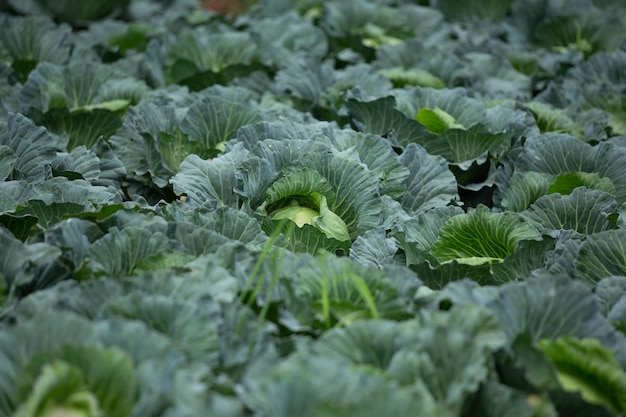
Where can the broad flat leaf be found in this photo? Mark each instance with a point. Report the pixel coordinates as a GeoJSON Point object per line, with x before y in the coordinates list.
{"type": "Point", "coordinates": [80, 163]}
{"type": "Point", "coordinates": [33, 39]}
{"type": "Point", "coordinates": [74, 236]}
{"type": "Point", "coordinates": [119, 252]}
{"type": "Point", "coordinates": [558, 154]}
{"type": "Point", "coordinates": [524, 189]}
{"type": "Point", "coordinates": [481, 236]}
{"type": "Point", "coordinates": [566, 183]}
{"type": "Point", "coordinates": [529, 256]}
{"type": "Point", "coordinates": [378, 155]}
{"type": "Point", "coordinates": [584, 211]}
{"type": "Point", "coordinates": [7, 160]}
{"type": "Point", "coordinates": [552, 119]}
{"type": "Point", "coordinates": [150, 142]}
{"type": "Point", "coordinates": [305, 78]}
{"type": "Point", "coordinates": [83, 128]}
{"type": "Point", "coordinates": [380, 116]}
{"type": "Point", "coordinates": [192, 327]}
{"type": "Point", "coordinates": [33, 149]}
{"type": "Point", "coordinates": [374, 249]}
{"type": "Point", "coordinates": [601, 255]}
{"type": "Point", "coordinates": [199, 51]}
{"type": "Point", "coordinates": [493, 10]}
{"type": "Point", "coordinates": [34, 264]}
{"type": "Point", "coordinates": [430, 182]}
{"type": "Point", "coordinates": [72, 11]}
{"type": "Point", "coordinates": [585, 366]}
{"type": "Point", "coordinates": [211, 181]}
{"type": "Point", "coordinates": [417, 235]}
{"type": "Point", "coordinates": [215, 118]}
{"type": "Point", "coordinates": [78, 87]}
{"type": "Point", "coordinates": [547, 307]}
{"type": "Point", "coordinates": [496, 400]}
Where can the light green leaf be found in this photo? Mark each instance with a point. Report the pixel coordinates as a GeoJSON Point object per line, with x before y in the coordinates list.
{"type": "Point", "coordinates": [565, 183]}
{"type": "Point", "coordinates": [412, 76]}
{"type": "Point", "coordinates": [436, 120]}
{"type": "Point", "coordinates": [558, 154]}
{"type": "Point", "coordinates": [585, 366]}
{"type": "Point", "coordinates": [60, 389]}
{"type": "Point", "coordinates": [481, 236]}
{"type": "Point", "coordinates": [84, 378]}
{"type": "Point", "coordinates": [552, 119]}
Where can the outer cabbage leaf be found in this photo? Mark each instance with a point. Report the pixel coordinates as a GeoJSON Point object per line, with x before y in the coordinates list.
{"type": "Point", "coordinates": [209, 182]}
{"type": "Point", "coordinates": [151, 142]}
{"type": "Point", "coordinates": [493, 10]}
{"type": "Point", "coordinates": [120, 252]}
{"type": "Point", "coordinates": [199, 58]}
{"type": "Point", "coordinates": [72, 11]}
{"type": "Point", "coordinates": [564, 162]}
{"type": "Point", "coordinates": [31, 40]}
{"type": "Point", "coordinates": [584, 211]}
{"type": "Point", "coordinates": [29, 150]}
{"type": "Point", "coordinates": [373, 24]}
{"type": "Point", "coordinates": [601, 255]}
{"type": "Point", "coordinates": [481, 236]}
{"type": "Point", "coordinates": [588, 31]}
{"type": "Point", "coordinates": [597, 83]}
{"type": "Point", "coordinates": [377, 154]}
{"type": "Point", "coordinates": [77, 379]}
{"type": "Point", "coordinates": [585, 366]}
{"type": "Point", "coordinates": [328, 292]}
{"type": "Point", "coordinates": [32, 338]}
{"type": "Point", "coordinates": [285, 35]}
{"type": "Point", "coordinates": [80, 87]}
{"type": "Point", "coordinates": [547, 307]}
{"type": "Point", "coordinates": [374, 249]}
{"type": "Point", "coordinates": [193, 327]}
{"type": "Point", "coordinates": [216, 117]}
{"type": "Point", "coordinates": [314, 386]}
{"type": "Point", "coordinates": [430, 182]}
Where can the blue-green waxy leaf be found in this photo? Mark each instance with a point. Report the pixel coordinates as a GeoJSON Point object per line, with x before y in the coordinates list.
{"type": "Point", "coordinates": [481, 236]}
{"type": "Point", "coordinates": [194, 328]}
{"type": "Point", "coordinates": [33, 39]}
{"type": "Point", "coordinates": [215, 118]}
{"type": "Point", "coordinates": [564, 162]}
{"type": "Point", "coordinates": [79, 87]}
{"type": "Point", "coordinates": [209, 182]}
{"type": "Point", "coordinates": [71, 11]}
{"type": "Point", "coordinates": [28, 150]}
{"type": "Point", "coordinates": [119, 252]}
{"type": "Point", "coordinates": [584, 211]}
{"type": "Point", "coordinates": [430, 182]}
{"type": "Point", "coordinates": [493, 10]}
{"type": "Point", "coordinates": [602, 255]}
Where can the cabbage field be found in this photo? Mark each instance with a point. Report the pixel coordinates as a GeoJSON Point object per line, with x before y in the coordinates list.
{"type": "Point", "coordinates": [307, 208]}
